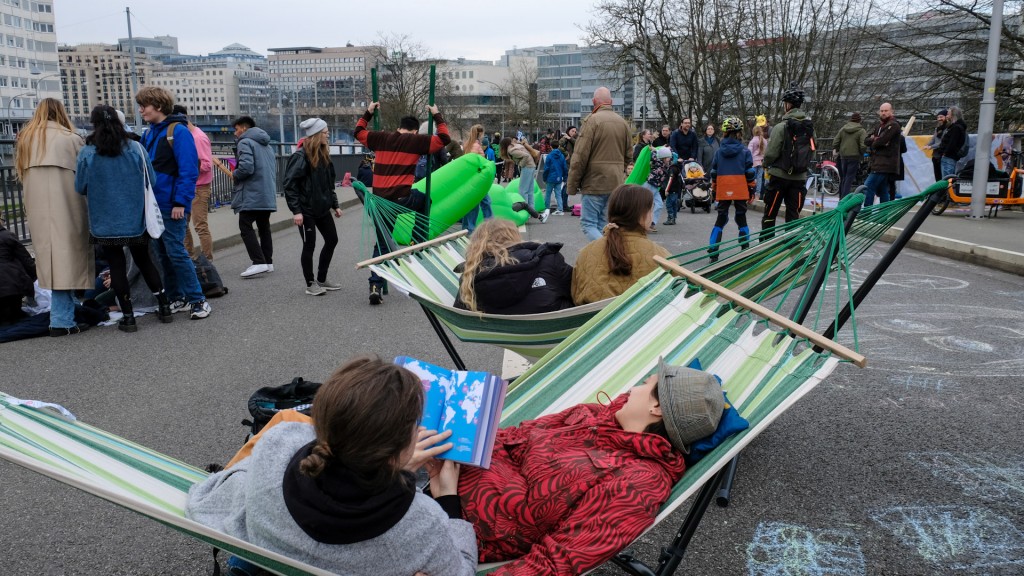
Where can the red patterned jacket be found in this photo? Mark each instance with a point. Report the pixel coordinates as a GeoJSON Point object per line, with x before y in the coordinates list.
{"type": "Point", "coordinates": [568, 491]}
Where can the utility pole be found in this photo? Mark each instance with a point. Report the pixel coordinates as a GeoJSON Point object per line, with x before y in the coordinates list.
{"type": "Point", "coordinates": [131, 56]}
{"type": "Point", "coordinates": [280, 119]}
{"type": "Point", "coordinates": [987, 115]}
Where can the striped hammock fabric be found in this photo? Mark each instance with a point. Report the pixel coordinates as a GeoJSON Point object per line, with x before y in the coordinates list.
{"type": "Point", "coordinates": [763, 371]}
{"type": "Point", "coordinates": [425, 272]}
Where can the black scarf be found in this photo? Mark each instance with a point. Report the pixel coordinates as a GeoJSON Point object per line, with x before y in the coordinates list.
{"type": "Point", "coordinates": [334, 509]}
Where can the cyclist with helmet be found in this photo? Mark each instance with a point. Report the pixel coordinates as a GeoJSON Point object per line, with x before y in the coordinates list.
{"type": "Point", "coordinates": [787, 156]}
{"type": "Point", "coordinates": [732, 177]}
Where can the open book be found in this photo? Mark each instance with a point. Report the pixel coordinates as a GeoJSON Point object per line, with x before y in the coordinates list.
{"type": "Point", "coordinates": [467, 403]}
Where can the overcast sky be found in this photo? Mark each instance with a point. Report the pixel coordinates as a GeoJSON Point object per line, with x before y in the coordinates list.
{"type": "Point", "coordinates": [447, 28]}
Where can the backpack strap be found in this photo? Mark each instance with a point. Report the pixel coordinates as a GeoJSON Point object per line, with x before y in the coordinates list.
{"type": "Point", "coordinates": [170, 132]}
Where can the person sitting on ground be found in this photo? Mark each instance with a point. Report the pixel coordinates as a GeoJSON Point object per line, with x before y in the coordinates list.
{"type": "Point", "coordinates": [504, 275]}
{"type": "Point", "coordinates": [611, 264]}
{"type": "Point", "coordinates": [339, 494]}
{"type": "Point", "coordinates": [17, 273]}
{"type": "Point", "coordinates": [567, 491]}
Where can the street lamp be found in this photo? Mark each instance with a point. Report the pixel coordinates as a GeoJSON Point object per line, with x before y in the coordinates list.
{"type": "Point", "coordinates": [502, 108]}
{"type": "Point", "coordinates": [10, 123]}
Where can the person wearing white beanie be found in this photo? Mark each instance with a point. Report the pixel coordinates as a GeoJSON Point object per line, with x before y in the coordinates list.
{"type": "Point", "coordinates": [309, 190]}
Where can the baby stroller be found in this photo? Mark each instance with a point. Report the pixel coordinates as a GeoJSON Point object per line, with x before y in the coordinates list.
{"type": "Point", "coordinates": [696, 188]}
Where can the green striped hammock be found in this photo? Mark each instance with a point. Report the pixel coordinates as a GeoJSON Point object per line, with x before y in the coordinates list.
{"type": "Point", "coordinates": [764, 372]}
{"type": "Point", "coordinates": [425, 272]}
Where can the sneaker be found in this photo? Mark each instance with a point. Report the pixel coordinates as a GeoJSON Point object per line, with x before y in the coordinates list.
{"type": "Point", "coordinates": [329, 286]}
{"type": "Point", "coordinates": [558, 213]}
{"type": "Point", "coordinates": [179, 306]}
{"type": "Point", "coordinates": [201, 310]}
{"type": "Point", "coordinates": [315, 289]}
{"type": "Point", "coordinates": [544, 215]}
{"type": "Point", "coordinates": [270, 267]}
{"type": "Point", "coordinates": [375, 296]}
{"type": "Point", "coordinates": [653, 229]}
{"type": "Point", "coordinates": [254, 270]}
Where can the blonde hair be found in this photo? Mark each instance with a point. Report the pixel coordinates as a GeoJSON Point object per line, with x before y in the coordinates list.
{"type": "Point", "coordinates": [759, 133]}
{"type": "Point", "coordinates": [34, 133]}
{"type": "Point", "coordinates": [316, 149]}
{"type": "Point", "coordinates": [491, 239]}
{"type": "Point", "coordinates": [475, 134]}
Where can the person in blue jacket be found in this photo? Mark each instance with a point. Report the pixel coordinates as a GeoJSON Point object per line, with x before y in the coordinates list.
{"type": "Point", "coordinates": [555, 171]}
{"type": "Point", "coordinates": [112, 171]}
{"type": "Point", "coordinates": [176, 163]}
{"type": "Point", "coordinates": [732, 178]}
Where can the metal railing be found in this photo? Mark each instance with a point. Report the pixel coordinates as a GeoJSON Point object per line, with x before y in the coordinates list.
{"type": "Point", "coordinates": [12, 204]}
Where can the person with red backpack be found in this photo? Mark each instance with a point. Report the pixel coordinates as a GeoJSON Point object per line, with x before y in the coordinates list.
{"type": "Point", "coordinates": [789, 152]}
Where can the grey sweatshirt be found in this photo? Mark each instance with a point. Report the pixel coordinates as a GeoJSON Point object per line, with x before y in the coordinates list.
{"type": "Point", "coordinates": [246, 501]}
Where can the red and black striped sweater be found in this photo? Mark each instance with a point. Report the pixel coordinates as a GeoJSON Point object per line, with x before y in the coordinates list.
{"type": "Point", "coordinates": [397, 153]}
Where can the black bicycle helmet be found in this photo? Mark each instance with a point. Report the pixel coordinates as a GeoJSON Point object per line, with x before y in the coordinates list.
{"type": "Point", "coordinates": [732, 124]}
{"type": "Point", "coordinates": [794, 95]}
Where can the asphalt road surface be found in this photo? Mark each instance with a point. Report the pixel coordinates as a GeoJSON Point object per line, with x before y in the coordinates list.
{"type": "Point", "coordinates": [910, 466]}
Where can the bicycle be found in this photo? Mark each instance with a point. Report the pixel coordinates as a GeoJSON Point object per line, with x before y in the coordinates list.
{"type": "Point", "coordinates": [822, 179]}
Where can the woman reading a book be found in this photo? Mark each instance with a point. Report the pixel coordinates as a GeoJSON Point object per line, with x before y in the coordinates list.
{"type": "Point", "coordinates": [568, 491]}
{"type": "Point", "coordinates": [338, 494]}
{"type": "Point", "coordinates": [504, 275]}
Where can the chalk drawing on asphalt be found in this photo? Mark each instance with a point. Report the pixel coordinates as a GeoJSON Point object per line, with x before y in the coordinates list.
{"type": "Point", "coordinates": [959, 344]}
{"type": "Point", "coordinates": [956, 537]}
{"type": "Point", "coordinates": [780, 549]}
{"type": "Point", "coordinates": [923, 383]}
{"type": "Point", "coordinates": [984, 476]}
{"type": "Point", "coordinates": [911, 281]}
{"type": "Point", "coordinates": [968, 341]}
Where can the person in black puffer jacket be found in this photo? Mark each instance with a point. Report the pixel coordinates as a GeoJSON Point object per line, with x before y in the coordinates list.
{"type": "Point", "coordinates": [17, 272]}
{"type": "Point", "coordinates": [309, 181]}
{"type": "Point", "coordinates": [504, 275]}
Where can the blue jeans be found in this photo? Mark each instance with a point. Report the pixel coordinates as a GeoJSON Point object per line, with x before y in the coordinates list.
{"type": "Point", "coordinates": [659, 204]}
{"type": "Point", "coordinates": [593, 216]}
{"type": "Point", "coordinates": [470, 219]}
{"type": "Point", "coordinates": [672, 205]}
{"type": "Point", "coordinates": [877, 184]}
{"type": "Point", "coordinates": [526, 184]}
{"type": "Point", "coordinates": [759, 178]}
{"type": "Point", "coordinates": [948, 166]}
{"type": "Point", "coordinates": [62, 307]}
{"type": "Point", "coordinates": [556, 188]}
{"type": "Point", "coordinates": [180, 280]}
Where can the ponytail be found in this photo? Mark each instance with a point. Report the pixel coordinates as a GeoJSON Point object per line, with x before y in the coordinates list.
{"type": "Point", "coordinates": [314, 464]}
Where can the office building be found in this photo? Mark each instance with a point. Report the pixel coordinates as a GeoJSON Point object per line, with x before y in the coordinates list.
{"type": "Point", "coordinates": [95, 74]}
{"type": "Point", "coordinates": [28, 58]}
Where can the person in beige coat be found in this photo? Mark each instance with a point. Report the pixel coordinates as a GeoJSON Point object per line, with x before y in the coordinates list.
{"type": "Point", "coordinates": [609, 265]}
{"type": "Point", "coordinates": [45, 159]}
{"type": "Point", "coordinates": [599, 159]}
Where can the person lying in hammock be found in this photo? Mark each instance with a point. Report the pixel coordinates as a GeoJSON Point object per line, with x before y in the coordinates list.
{"type": "Point", "coordinates": [608, 266]}
{"type": "Point", "coordinates": [338, 493]}
{"type": "Point", "coordinates": [567, 491]}
{"type": "Point", "coordinates": [504, 275]}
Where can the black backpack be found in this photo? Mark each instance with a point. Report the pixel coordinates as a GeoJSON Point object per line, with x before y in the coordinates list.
{"type": "Point", "coordinates": [209, 279]}
{"type": "Point", "coordinates": [269, 400]}
{"type": "Point", "coordinates": [797, 146]}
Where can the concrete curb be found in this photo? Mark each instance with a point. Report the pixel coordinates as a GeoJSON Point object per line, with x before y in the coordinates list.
{"type": "Point", "coordinates": [1004, 260]}
{"type": "Point", "coordinates": [275, 226]}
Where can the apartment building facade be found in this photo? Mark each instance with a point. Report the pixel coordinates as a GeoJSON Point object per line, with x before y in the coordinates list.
{"type": "Point", "coordinates": [29, 70]}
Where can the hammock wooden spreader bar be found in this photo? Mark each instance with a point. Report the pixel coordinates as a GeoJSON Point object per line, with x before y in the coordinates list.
{"type": "Point", "coordinates": [770, 315]}
{"type": "Point", "coordinates": [413, 248]}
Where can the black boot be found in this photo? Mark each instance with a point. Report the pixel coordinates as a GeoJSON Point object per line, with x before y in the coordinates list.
{"type": "Point", "coordinates": [127, 321]}
{"type": "Point", "coordinates": [164, 310]}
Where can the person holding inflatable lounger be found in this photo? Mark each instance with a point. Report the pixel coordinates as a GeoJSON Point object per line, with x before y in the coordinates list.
{"type": "Point", "coordinates": [395, 169]}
